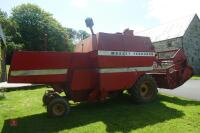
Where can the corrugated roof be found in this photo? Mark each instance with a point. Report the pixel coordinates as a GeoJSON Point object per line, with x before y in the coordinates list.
{"type": "Point", "coordinates": [2, 35]}
{"type": "Point", "coordinates": [168, 30]}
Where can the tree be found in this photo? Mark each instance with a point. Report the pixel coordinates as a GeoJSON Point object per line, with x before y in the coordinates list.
{"type": "Point", "coordinates": [34, 24]}
{"type": "Point", "coordinates": [3, 17]}
{"type": "Point", "coordinates": [29, 27]}
{"type": "Point", "coordinates": [9, 27]}
{"type": "Point", "coordinates": [81, 34]}
{"type": "Point", "coordinates": [77, 36]}
{"type": "Point", "coordinates": [13, 37]}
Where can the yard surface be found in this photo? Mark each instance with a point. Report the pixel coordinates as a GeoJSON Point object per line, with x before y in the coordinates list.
{"type": "Point", "coordinates": [167, 115]}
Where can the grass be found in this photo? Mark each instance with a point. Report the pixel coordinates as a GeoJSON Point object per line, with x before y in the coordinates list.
{"type": "Point", "coordinates": [196, 77]}
{"type": "Point", "coordinates": [167, 115]}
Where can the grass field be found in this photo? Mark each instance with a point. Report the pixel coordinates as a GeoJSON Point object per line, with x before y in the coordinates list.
{"type": "Point", "coordinates": [196, 77]}
{"type": "Point", "coordinates": [166, 115]}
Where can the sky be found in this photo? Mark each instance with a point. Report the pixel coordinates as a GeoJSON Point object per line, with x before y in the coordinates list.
{"type": "Point", "coordinates": [112, 15]}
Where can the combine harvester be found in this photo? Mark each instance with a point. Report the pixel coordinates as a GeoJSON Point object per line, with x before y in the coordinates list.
{"type": "Point", "coordinates": [102, 65]}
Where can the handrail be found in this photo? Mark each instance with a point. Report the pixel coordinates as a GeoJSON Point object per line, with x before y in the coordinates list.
{"type": "Point", "coordinates": [171, 58]}
{"type": "Point", "coordinates": [168, 51]}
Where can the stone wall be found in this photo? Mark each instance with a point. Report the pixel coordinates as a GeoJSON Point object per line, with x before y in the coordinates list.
{"type": "Point", "coordinates": [170, 44]}
{"type": "Point", "coordinates": [191, 44]}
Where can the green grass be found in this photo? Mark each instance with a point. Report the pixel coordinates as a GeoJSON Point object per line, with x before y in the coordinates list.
{"type": "Point", "coordinates": [167, 115]}
{"type": "Point", "coordinates": [196, 77]}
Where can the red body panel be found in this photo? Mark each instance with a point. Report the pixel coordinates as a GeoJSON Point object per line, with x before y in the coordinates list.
{"type": "Point", "coordinates": [83, 79]}
{"type": "Point", "coordinates": [117, 81]}
{"type": "Point", "coordinates": [115, 42]}
{"type": "Point", "coordinates": [115, 62]}
{"type": "Point", "coordinates": [39, 61]}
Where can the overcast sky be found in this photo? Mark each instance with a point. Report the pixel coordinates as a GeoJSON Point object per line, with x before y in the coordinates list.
{"type": "Point", "coordinates": [112, 15]}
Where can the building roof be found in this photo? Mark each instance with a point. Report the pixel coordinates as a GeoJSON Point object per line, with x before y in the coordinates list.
{"type": "Point", "coordinates": [2, 35]}
{"type": "Point", "coordinates": [168, 30]}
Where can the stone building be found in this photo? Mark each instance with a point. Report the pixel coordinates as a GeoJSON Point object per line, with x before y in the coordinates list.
{"type": "Point", "coordinates": [2, 56]}
{"type": "Point", "coordinates": [182, 33]}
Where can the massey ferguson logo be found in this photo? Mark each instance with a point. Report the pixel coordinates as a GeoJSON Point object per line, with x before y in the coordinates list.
{"type": "Point", "coordinates": [125, 53]}
{"type": "Point", "coordinates": [120, 53]}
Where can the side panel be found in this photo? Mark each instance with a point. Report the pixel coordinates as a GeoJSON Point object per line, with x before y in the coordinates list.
{"type": "Point", "coordinates": [120, 69]}
{"type": "Point", "coordinates": [118, 61]}
{"type": "Point", "coordinates": [83, 79]}
{"type": "Point", "coordinates": [117, 81]}
{"type": "Point", "coordinates": [83, 72]}
{"type": "Point", "coordinates": [39, 67]}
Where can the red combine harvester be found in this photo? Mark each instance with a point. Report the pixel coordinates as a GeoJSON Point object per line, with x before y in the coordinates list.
{"type": "Point", "coordinates": [102, 65]}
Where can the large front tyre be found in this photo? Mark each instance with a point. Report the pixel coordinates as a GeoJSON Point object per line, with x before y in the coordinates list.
{"type": "Point", "coordinates": [58, 107]}
{"type": "Point", "coordinates": [144, 90]}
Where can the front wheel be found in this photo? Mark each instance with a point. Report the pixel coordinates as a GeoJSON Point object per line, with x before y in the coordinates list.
{"type": "Point", "coordinates": [144, 90]}
{"type": "Point", "coordinates": [58, 107]}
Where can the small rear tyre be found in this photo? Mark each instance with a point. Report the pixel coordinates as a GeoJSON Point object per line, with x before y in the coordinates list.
{"type": "Point", "coordinates": [58, 107]}
{"type": "Point", "coordinates": [47, 97]}
{"type": "Point", "coordinates": [145, 90]}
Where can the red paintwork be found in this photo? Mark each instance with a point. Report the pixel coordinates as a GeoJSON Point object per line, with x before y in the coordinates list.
{"type": "Point", "coordinates": [126, 61]}
{"type": "Point", "coordinates": [115, 42]}
{"type": "Point", "coordinates": [39, 60]}
{"type": "Point", "coordinates": [117, 81]}
{"type": "Point", "coordinates": [177, 74]}
{"type": "Point", "coordinates": [83, 80]}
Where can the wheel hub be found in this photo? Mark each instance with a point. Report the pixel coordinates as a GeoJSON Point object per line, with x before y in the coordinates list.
{"type": "Point", "coordinates": [58, 109]}
{"type": "Point", "coordinates": [144, 90]}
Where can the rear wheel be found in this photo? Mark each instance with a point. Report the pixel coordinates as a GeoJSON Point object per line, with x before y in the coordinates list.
{"type": "Point", "coordinates": [48, 96]}
{"type": "Point", "coordinates": [58, 107]}
{"type": "Point", "coordinates": [144, 90]}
